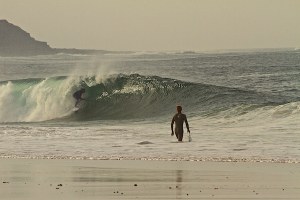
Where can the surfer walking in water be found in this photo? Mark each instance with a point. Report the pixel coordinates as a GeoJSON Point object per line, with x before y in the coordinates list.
{"type": "Point", "coordinates": [179, 118]}
{"type": "Point", "coordinates": [78, 96]}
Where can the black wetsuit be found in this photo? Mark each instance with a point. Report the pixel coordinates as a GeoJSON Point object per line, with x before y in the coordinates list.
{"type": "Point", "coordinates": [179, 118]}
{"type": "Point", "coordinates": [77, 95]}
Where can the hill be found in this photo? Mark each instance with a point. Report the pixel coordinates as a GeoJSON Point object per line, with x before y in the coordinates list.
{"type": "Point", "coordinates": [14, 41]}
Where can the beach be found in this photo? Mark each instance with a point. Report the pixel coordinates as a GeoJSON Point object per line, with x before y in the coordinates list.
{"type": "Point", "coordinates": [90, 92]}
{"type": "Point", "coordinates": [138, 179]}
{"type": "Point", "coordinates": [244, 125]}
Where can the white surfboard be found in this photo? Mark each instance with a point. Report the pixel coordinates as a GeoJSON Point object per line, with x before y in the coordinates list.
{"type": "Point", "coordinates": [75, 109]}
{"type": "Point", "coordinates": [190, 137]}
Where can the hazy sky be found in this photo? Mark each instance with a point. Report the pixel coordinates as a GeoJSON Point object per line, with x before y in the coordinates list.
{"type": "Point", "coordinates": [158, 25]}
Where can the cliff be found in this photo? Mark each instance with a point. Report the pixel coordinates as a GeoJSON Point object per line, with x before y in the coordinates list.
{"type": "Point", "coordinates": [16, 42]}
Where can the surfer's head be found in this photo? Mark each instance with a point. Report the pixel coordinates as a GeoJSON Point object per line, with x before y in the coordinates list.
{"type": "Point", "coordinates": [82, 90]}
{"type": "Point", "coordinates": [179, 109]}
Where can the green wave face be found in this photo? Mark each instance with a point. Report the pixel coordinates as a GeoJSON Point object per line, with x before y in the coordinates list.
{"type": "Point", "coordinates": [120, 97]}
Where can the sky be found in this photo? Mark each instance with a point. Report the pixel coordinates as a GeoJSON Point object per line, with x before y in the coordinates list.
{"type": "Point", "coordinates": [158, 25]}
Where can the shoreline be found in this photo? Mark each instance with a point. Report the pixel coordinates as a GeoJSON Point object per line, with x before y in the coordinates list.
{"type": "Point", "coordinates": [162, 159]}
{"type": "Point", "coordinates": [140, 179]}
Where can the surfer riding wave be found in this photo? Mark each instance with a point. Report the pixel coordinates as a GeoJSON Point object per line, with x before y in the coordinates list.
{"type": "Point", "coordinates": [78, 96]}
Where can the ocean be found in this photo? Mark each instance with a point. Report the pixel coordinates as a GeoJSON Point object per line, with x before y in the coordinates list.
{"type": "Point", "coordinates": [242, 106]}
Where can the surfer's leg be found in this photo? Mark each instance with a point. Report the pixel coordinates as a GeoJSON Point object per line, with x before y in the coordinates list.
{"type": "Point", "coordinates": [77, 102]}
{"type": "Point", "coordinates": [176, 133]}
{"type": "Point", "coordinates": [180, 136]}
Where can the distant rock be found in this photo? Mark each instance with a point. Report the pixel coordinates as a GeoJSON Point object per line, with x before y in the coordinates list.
{"type": "Point", "coordinates": [16, 42]}
{"type": "Point", "coordinates": [84, 51]}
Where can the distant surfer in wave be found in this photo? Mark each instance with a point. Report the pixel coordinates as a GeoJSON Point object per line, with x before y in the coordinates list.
{"type": "Point", "coordinates": [78, 96]}
{"type": "Point", "coordinates": [179, 118]}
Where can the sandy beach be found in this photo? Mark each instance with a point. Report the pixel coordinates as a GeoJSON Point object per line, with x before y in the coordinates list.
{"type": "Point", "coordinates": [96, 179]}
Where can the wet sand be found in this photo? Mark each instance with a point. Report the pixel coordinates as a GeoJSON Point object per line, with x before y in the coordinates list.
{"type": "Point", "coordinates": [94, 179]}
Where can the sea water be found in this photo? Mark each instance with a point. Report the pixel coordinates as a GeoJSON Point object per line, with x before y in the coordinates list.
{"type": "Point", "coordinates": [241, 106]}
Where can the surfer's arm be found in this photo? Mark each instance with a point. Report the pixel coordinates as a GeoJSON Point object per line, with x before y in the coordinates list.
{"type": "Point", "coordinates": [172, 125]}
{"type": "Point", "coordinates": [187, 124]}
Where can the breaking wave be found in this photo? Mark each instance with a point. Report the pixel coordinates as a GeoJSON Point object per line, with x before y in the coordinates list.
{"type": "Point", "coordinates": [126, 97]}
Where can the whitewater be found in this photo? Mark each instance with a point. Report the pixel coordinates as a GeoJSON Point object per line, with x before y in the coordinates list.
{"type": "Point", "coordinates": [241, 106]}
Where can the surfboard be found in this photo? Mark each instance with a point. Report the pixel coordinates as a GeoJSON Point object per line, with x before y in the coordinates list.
{"type": "Point", "coordinates": [190, 137]}
{"type": "Point", "coordinates": [76, 109]}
